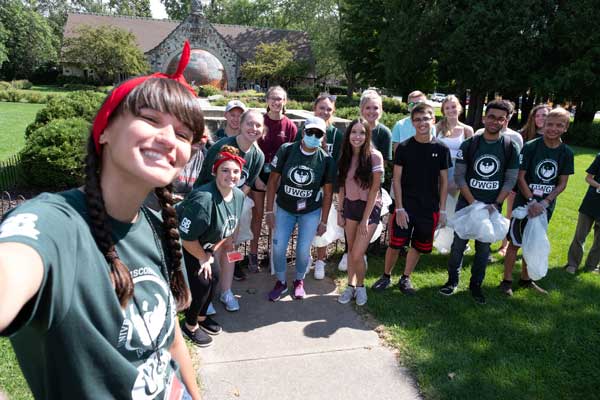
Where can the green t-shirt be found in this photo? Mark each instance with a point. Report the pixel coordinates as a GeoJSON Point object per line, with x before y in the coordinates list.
{"type": "Point", "coordinates": [205, 216]}
{"type": "Point", "coordinates": [543, 166]}
{"type": "Point", "coordinates": [485, 176]}
{"type": "Point", "coordinates": [591, 201]}
{"type": "Point", "coordinates": [381, 137]}
{"type": "Point", "coordinates": [254, 162]}
{"type": "Point", "coordinates": [219, 134]}
{"type": "Point", "coordinates": [73, 340]}
{"type": "Point", "coordinates": [302, 176]}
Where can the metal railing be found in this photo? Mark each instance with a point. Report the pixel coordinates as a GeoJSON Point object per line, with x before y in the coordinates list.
{"type": "Point", "coordinates": [9, 172]}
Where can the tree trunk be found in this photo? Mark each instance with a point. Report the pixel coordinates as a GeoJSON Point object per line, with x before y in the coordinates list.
{"type": "Point", "coordinates": [514, 121]}
{"type": "Point", "coordinates": [526, 106]}
{"type": "Point", "coordinates": [463, 100]}
{"type": "Point", "coordinates": [475, 109]}
{"type": "Point", "coordinates": [586, 110]}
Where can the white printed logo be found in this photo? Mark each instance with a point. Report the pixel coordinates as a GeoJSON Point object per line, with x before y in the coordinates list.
{"type": "Point", "coordinates": [229, 226]}
{"type": "Point", "coordinates": [20, 225]}
{"type": "Point", "coordinates": [243, 178]}
{"type": "Point", "coordinates": [459, 155]}
{"type": "Point", "coordinates": [274, 162]}
{"type": "Point", "coordinates": [547, 170]}
{"type": "Point", "coordinates": [487, 165]}
{"type": "Point", "coordinates": [184, 226]}
{"type": "Point", "coordinates": [301, 175]}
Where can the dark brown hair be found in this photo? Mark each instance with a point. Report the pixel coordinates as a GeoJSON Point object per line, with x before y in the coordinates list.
{"type": "Point", "coordinates": [364, 171]}
{"type": "Point", "coordinates": [167, 96]}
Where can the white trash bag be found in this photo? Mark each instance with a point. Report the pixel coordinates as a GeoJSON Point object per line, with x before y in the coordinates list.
{"type": "Point", "coordinates": [244, 231]}
{"type": "Point", "coordinates": [334, 231]}
{"type": "Point", "coordinates": [443, 237]}
{"type": "Point", "coordinates": [475, 222]}
{"type": "Point", "coordinates": [386, 202]}
{"type": "Point", "coordinates": [535, 243]}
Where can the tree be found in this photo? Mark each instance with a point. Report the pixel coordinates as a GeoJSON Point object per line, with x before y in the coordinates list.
{"type": "Point", "coordinates": [275, 62]}
{"type": "Point", "coordinates": [30, 41]}
{"type": "Point", "coordinates": [106, 50]}
{"type": "Point", "coordinates": [134, 8]}
{"type": "Point", "coordinates": [3, 39]}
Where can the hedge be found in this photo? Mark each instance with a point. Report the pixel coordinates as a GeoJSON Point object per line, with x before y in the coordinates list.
{"type": "Point", "coordinates": [587, 135]}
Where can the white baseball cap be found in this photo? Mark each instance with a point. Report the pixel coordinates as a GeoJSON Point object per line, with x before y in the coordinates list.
{"type": "Point", "coordinates": [316, 123]}
{"type": "Point", "coordinates": [235, 104]}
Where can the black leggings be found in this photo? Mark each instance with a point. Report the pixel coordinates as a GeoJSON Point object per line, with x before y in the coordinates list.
{"type": "Point", "coordinates": [202, 289]}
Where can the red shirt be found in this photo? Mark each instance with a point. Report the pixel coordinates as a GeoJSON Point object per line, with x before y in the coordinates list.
{"type": "Point", "coordinates": [277, 132]}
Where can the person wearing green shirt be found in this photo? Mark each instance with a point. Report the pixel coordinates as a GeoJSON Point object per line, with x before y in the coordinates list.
{"type": "Point", "coordinates": [485, 171]}
{"type": "Point", "coordinates": [208, 216]}
{"type": "Point", "coordinates": [545, 166]}
{"type": "Point", "coordinates": [302, 176]}
{"type": "Point", "coordinates": [90, 279]}
{"type": "Point", "coordinates": [233, 111]}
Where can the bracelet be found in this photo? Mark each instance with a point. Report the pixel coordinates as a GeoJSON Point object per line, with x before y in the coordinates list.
{"type": "Point", "coordinates": [399, 209]}
{"type": "Point", "coordinates": [268, 212]}
{"type": "Point", "coordinates": [323, 223]}
{"type": "Point", "coordinates": [443, 212]}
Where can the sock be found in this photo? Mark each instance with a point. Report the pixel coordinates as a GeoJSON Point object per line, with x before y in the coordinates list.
{"type": "Point", "coordinates": [387, 275]}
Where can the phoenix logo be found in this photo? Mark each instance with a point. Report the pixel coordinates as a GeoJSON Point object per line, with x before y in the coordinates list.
{"type": "Point", "coordinates": [487, 165]}
{"type": "Point", "coordinates": [301, 175]}
{"type": "Point", "coordinates": [547, 170]}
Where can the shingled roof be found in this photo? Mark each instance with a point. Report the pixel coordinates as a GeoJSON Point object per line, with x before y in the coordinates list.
{"type": "Point", "coordinates": [149, 33]}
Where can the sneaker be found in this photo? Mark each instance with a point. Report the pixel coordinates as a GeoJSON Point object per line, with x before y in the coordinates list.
{"type": "Point", "coordinates": [570, 269]}
{"type": "Point", "coordinates": [211, 309]}
{"type": "Point", "coordinates": [406, 286]}
{"type": "Point", "coordinates": [361, 295]}
{"type": "Point", "coordinates": [382, 283]}
{"type": "Point", "coordinates": [343, 265]}
{"type": "Point", "coordinates": [299, 292]}
{"type": "Point", "coordinates": [319, 269]}
{"type": "Point", "coordinates": [530, 284]}
{"type": "Point", "coordinates": [279, 290]}
{"type": "Point", "coordinates": [253, 263]}
{"type": "Point", "coordinates": [477, 294]}
{"type": "Point", "coordinates": [198, 337]}
{"type": "Point", "coordinates": [238, 273]}
{"type": "Point", "coordinates": [210, 326]}
{"type": "Point", "coordinates": [448, 289]}
{"type": "Point", "coordinates": [593, 270]}
{"type": "Point", "coordinates": [229, 300]}
{"type": "Point", "coordinates": [506, 287]}
{"type": "Point", "coordinates": [347, 295]}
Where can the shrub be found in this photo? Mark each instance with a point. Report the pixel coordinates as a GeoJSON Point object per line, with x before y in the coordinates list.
{"type": "Point", "coordinates": [21, 84]}
{"type": "Point", "coordinates": [298, 105]}
{"type": "Point", "coordinates": [587, 135]}
{"type": "Point", "coordinates": [54, 154]}
{"type": "Point", "coordinates": [5, 85]}
{"type": "Point", "coordinates": [208, 90]}
{"type": "Point", "coordinates": [347, 112]}
{"type": "Point", "coordinates": [303, 93]}
{"type": "Point", "coordinates": [65, 79]}
{"type": "Point", "coordinates": [390, 119]}
{"type": "Point", "coordinates": [391, 105]}
{"type": "Point", "coordinates": [79, 86]}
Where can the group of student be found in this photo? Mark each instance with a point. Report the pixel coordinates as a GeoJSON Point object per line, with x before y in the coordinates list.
{"type": "Point", "coordinates": [91, 279]}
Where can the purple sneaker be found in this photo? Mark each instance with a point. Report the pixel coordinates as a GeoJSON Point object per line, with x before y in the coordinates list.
{"type": "Point", "coordinates": [279, 290]}
{"type": "Point", "coordinates": [299, 292]}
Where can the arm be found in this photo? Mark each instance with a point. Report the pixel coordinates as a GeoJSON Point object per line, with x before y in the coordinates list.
{"type": "Point", "coordinates": [460, 170]}
{"type": "Point", "coordinates": [180, 354]}
{"type": "Point", "coordinates": [246, 189]}
{"type": "Point", "coordinates": [371, 197]}
{"type": "Point", "coordinates": [340, 210]}
{"type": "Point", "coordinates": [327, 198]}
{"type": "Point", "coordinates": [589, 179]}
{"type": "Point", "coordinates": [511, 177]}
{"type": "Point", "coordinates": [21, 275]}
{"type": "Point", "coordinates": [272, 186]}
{"type": "Point", "coordinates": [443, 189]}
{"type": "Point", "coordinates": [401, 214]}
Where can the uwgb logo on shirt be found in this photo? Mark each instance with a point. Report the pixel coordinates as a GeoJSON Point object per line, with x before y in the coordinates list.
{"type": "Point", "coordinates": [300, 176]}
{"type": "Point", "coordinates": [485, 166]}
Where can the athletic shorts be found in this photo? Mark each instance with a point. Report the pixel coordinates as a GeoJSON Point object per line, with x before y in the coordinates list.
{"type": "Point", "coordinates": [419, 232]}
{"type": "Point", "coordinates": [354, 209]}
{"type": "Point", "coordinates": [516, 229]}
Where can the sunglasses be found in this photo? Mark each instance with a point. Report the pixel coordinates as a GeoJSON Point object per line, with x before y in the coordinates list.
{"type": "Point", "coordinates": [314, 132]}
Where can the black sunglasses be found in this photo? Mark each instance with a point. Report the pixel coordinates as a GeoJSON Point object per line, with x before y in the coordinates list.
{"type": "Point", "coordinates": [314, 132]}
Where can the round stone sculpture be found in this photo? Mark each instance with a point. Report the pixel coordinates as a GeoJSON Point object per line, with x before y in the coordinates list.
{"type": "Point", "coordinates": [203, 69]}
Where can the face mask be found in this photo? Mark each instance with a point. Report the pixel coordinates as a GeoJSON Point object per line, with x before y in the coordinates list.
{"type": "Point", "coordinates": [311, 141]}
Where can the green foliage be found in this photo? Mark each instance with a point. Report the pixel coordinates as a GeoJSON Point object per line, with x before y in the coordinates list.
{"type": "Point", "coordinates": [274, 61]}
{"type": "Point", "coordinates": [24, 96]}
{"type": "Point", "coordinates": [54, 154]}
{"type": "Point", "coordinates": [303, 93]}
{"type": "Point", "coordinates": [584, 135]}
{"type": "Point", "coordinates": [30, 41]}
{"type": "Point", "coordinates": [3, 39]}
{"type": "Point", "coordinates": [134, 8]}
{"type": "Point", "coordinates": [106, 50]}
{"type": "Point", "coordinates": [208, 90]}
{"type": "Point", "coordinates": [21, 84]}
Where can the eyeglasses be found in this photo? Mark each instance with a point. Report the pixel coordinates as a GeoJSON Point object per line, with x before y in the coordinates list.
{"type": "Point", "coordinates": [423, 119]}
{"type": "Point", "coordinates": [276, 98]}
{"type": "Point", "coordinates": [493, 118]}
{"type": "Point", "coordinates": [314, 132]}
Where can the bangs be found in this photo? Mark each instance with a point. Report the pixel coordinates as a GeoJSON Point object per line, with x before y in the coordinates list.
{"type": "Point", "coordinates": [167, 96]}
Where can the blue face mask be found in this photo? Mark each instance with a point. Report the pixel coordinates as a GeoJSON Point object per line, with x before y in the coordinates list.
{"type": "Point", "coordinates": [311, 141]}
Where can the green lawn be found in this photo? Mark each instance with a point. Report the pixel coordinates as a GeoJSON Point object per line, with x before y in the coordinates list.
{"type": "Point", "coordinates": [14, 118]}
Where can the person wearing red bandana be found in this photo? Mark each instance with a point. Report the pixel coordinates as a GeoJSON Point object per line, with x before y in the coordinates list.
{"type": "Point", "coordinates": [90, 279]}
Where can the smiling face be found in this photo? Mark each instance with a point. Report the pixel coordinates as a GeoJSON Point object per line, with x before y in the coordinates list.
{"type": "Point", "coordinates": [276, 100]}
{"type": "Point", "coordinates": [233, 118]}
{"type": "Point", "coordinates": [228, 174]}
{"type": "Point", "coordinates": [540, 117]}
{"type": "Point", "coordinates": [148, 150]}
{"type": "Point", "coordinates": [371, 111]}
{"type": "Point", "coordinates": [252, 126]}
{"type": "Point", "coordinates": [555, 126]}
{"type": "Point", "coordinates": [423, 123]}
{"type": "Point", "coordinates": [451, 109]}
{"type": "Point", "coordinates": [494, 120]}
{"type": "Point", "coordinates": [324, 110]}
{"type": "Point", "coordinates": [358, 135]}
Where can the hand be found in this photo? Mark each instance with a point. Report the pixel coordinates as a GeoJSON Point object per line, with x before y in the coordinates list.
{"type": "Point", "coordinates": [442, 220]}
{"type": "Point", "coordinates": [270, 219]}
{"type": "Point", "coordinates": [176, 198]}
{"type": "Point", "coordinates": [341, 221]}
{"type": "Point", "coordinates": [321, 229]}
{"type": "Point", "coordinates": [402, 218]}
{"type": "Point", "coordinates": [491, 208]}
{"type": "Point", "coordinates": [534, 208]}
{"type": "Point", "coordinates": [205, 268]}
{"type": "Point", "coordinates": [363, 227]}
{"type": "Point", "coordinates": [259, 184]}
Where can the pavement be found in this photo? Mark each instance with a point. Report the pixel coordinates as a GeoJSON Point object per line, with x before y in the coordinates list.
{"type": "Point", "coordinates": [305, 349]}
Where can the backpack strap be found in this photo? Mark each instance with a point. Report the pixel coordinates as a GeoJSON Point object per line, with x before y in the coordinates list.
{"type": "Point", "coordinates": [508, 151]}
{"type": "Point", "coordinates": [472, 149]}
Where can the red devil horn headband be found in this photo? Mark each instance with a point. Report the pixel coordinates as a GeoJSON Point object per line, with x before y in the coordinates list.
{"type": "Point", "coordinates": [118, 94]}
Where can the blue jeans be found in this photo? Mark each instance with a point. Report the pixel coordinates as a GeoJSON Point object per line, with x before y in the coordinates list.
{"type": "Point", "coordinates": [284, 226]}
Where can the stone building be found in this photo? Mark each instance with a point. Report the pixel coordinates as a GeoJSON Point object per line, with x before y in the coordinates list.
{"type": "Point", "coordinates": [218, 51]}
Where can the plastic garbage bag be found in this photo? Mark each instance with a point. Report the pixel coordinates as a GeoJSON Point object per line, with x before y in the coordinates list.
{"type": "Point", "coordinates": [475, 222]}
{"type": "Point", "coordinates": [334, 231]}
{"type": "Point", "coordinates": [386, 201]}
{"type": "Point", "coordinates": [535, 243]}
{"type": "Point", "coordinates": [245, 232]}
{"type": "Point", "coordinates": [377, 233]}
{"type": "Point", "coordinates": [443, 237]}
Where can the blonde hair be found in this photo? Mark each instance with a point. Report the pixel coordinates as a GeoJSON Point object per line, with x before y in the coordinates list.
{"type": "Point", "coordinates": [443, 127]}
{"type": "Point", "coordinates": [369, 95]}
{"type": "Point", "coordinates": [560, 112]}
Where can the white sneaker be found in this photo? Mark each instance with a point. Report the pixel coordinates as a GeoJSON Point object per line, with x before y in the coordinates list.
{"type": "Point", "coordinates": [343, 265]}
{"type": "Point", "coordinates": [361, 295]}
{"type": "Point", "coordinates": [229, 300]}
{"type": "Point", "coordinates": [319, 269]}
{"type": "Point", "coordinates": [211, 309]}
{"type": "Point", "coordinates": [310, 263]}
{"type": "Point", "coordinates": [346, 296]}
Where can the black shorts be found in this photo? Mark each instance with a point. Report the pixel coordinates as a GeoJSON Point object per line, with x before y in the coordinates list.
{"type": "Point", "coordinates": [419, 233]}
{"type": "Point", "coordinates": [517, 227]}
{"type": "Point", "coordinates": [354, 209]}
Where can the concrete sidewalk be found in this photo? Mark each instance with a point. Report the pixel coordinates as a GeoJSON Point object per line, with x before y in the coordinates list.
{"type": "Point", "coordinates": [310, 349]}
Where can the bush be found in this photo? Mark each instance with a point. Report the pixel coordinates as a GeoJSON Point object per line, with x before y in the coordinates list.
{"type": "Point", "coordinates": [208, 90]}
{"type": "Point", "coordinates": [5, 85]}
{"type": "Point", "coordinates": [21, 84]}
{"type": "Point", "coordinates": [303, 93]}
{"type": "Point", "coordinates": [587, 135]}
{"type": "Point", "coordinates": [66, 79]}
{"type": "Point", "coordinates": [337, 90]}
{"type": "Point", "coordinates": [390, 119]}
{"type": "Point", "coordinates": [391, 105]}
{"type": "Point", "coordinates": [53, 154]}
{"type": "Point", "coordinates": [79, 86]}
{"type": "Point", "coordinates": [347, 112]}
{"type": "Point", "coordinates": [76, 104]}
{"type": "Point", "coordinates": [24, 96]}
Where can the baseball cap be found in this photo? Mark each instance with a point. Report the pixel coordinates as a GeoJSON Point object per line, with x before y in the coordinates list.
{"type": "Point", "coordinates": [315, 123]}
{"type": "Point", "coordinates": [235, 104]}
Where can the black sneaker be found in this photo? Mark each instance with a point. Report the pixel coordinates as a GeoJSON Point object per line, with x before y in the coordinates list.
{"type": "Point", "coordinates": [448, 289]}
{"type": "Point", "coordinates": [477, 294]}
{"type": "Point", "coordinates": [238, 273]}
{"type": "Point", "coordinates": [198, 337]}
{"type": "Point", "coordinates": [406, 286]}
{"type": "Point", "coordinates": [506, 287]}
{"type": "Point", "coordinates": [382, 283]}
{"type": "Point", "coordinates": [210, 326]}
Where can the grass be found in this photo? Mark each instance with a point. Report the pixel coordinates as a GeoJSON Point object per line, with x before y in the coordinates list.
{"type": "Point", "coordinates": [14, 118]}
